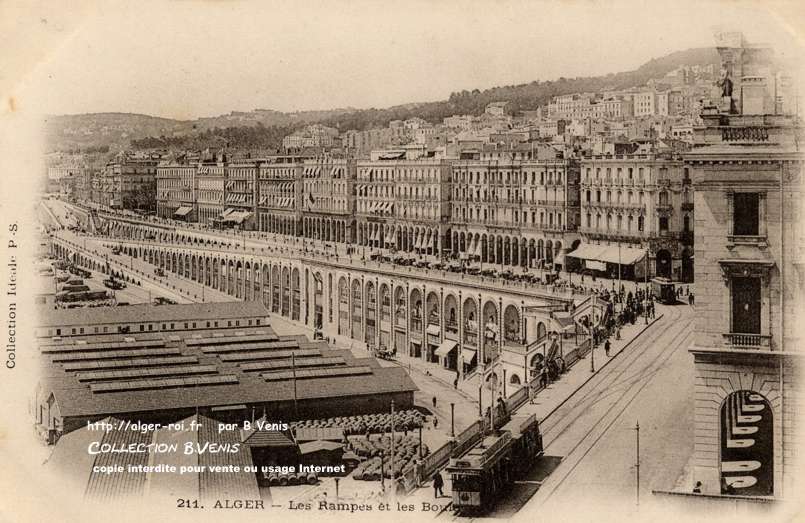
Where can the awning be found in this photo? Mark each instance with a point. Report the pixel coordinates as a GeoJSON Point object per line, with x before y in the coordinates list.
{"type": "Point", "coordinates": [478, 249]}
{"type": "Point", "coordinates": [586, 251]}
{"type": "Point", "coordinates": [559, 259]}
{"type": "Point", "coordinates": [445, 348]}
{"type": "Point", "coordinates": [608, 254]}
{"type": "Point", "coordinates": [238, 216]}
{"type": "Point", "coordinates": [433, 329]}
{"type": "Point", "coordinates": [470, 246]}
{"type": "Point", "coordinates": [183, 211]}
{"type": "Point", "coordinates": [468, 355]}
{"type": "Point", "coordinates": [376, 235]}
{"type": "Point", "coordinates": [226, 213]}
{"type": "Point", "coordinates": [627, 256]}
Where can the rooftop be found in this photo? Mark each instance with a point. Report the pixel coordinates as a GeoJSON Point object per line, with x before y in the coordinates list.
{"type": "Point", "coordinates": [146, 312]}
{"type": "Point", "coordinates": [185, 370]}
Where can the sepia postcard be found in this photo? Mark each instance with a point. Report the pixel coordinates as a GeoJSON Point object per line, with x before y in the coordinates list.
{"type": "Point", "coordinates": [373, 260]}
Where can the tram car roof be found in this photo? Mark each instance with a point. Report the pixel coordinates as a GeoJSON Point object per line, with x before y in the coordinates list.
{"type": "Point", "coordinates": [520, 424]}
{"type": "Point", "coordinates": [491, 449]}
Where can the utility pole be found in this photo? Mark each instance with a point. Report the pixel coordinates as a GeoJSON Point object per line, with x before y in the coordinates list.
{"type": "Point", "coordinates": [592, 340]}
{"type": "Point", "coordinates": [293, 370]}
{"type": "Point", "coordinates": [391, 465]}
{"type": "Point", "coordinates": [637, 464]}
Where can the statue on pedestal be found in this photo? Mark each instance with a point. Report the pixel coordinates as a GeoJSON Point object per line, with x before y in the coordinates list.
{"type": "Point", "coordinates": [725, 83]}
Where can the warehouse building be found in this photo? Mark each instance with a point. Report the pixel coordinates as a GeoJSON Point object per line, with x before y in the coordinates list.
{"type": "Point", "coordinates": [225, 373]}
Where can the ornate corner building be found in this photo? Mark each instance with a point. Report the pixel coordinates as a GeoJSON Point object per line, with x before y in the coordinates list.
{"type": "Point", "coordinates": [746, 165]}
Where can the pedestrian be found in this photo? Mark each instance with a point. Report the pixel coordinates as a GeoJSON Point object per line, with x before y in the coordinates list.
{"type": "Point", "coordinates": [435, 422]}
{"type": "Point", "coordinates": [697, 489]}
{"type": "Point", "coordinates": [543, 376]}
{"type": "Point", "coordinates": [455, 383]}
{"type": "Point", "coordinates": [434, 402]}
{"type": "Point", "coordinates": [606, 347]}
{"type": "Point", "coordinates": [438, 485]}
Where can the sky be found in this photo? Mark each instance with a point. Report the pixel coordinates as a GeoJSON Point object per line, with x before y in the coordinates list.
{"type": "Point", "coordinates": [186, 59]}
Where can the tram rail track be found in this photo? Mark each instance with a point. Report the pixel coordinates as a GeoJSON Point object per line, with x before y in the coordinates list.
{"type": "Point", "coordinates": [592, 387]}
{"type": "Point", "coordinates": [657, 361]}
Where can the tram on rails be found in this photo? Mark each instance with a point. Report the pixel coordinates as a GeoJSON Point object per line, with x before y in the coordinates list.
{"type": "Point", "coordinates": [664, 290]}
{"type": "Point", "coordinates": [483, 474]}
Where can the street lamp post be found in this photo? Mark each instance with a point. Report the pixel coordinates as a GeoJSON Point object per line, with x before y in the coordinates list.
{"type": "Point", "coordinates": [452, 423]}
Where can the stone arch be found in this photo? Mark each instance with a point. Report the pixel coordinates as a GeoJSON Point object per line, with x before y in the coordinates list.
{"type": "Point", "coordinates": [276, 294]}
{"type": "Point", "coordinates": [247, 281]}
{"type": "Point", "coordinates": [343, 306]}
{"type": "Point", "coordinates": [451, 314]}
{"type": "Point", "coordinates": [295, 295]}
{"type": "Point", "coordinates": [490, 336]}
{"type": "Point", "coordinates": [746, 459]}
{"type": "Point", "coordinates": [265, 274]}
{"type": "Point", "coordinates": [286, 292]}
{"type": "Point", "coordinates": [238, 284]}
{"type": "Point", "coordinates": [663, 263]}
{"type": "Point", "coordinates": [511, 324]}
{"type": "Point", "coordinates": [357, 310]}
{"type": "Point", "coordinates": [433, 310]}
{"type": "Point", "coordinates": [370, 328]}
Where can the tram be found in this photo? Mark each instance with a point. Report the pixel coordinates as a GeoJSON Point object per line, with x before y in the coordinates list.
{"type": "Point", "coordinates": [664, 290]}
{"type": "Point", "coordinates": [483, 474]}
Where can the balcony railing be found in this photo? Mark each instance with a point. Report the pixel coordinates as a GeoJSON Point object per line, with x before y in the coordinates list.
{"type": "Point", "coordinates": [747, 341]}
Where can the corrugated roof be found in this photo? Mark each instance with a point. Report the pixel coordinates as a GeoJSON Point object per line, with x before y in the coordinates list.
{"type": "Point", "coordinates": [76, 398]}
{"type": "Point", "coordinates": [146, 312]}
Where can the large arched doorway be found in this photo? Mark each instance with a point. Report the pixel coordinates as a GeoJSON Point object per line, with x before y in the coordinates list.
{"type": "Point", "coordinates": [747, 439]}
{"type": "Point", "coordinates": [663, 263]}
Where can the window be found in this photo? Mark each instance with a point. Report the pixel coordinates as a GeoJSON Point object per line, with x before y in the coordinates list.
{"type": "Point", "coordinates": [257, 321]}
{"type": "Point", "coordinates": [663, 223]}
{"type": "Point", "coordinates": [745, 214]}
{"type": "Point", "coordinates": [58, 332]}
{"type": "Point", "coordinates": [746, 305]}
{"type": "Point", "coordinates": [81, 330]}
{"type": "Point", "coordinates": [640, 223]}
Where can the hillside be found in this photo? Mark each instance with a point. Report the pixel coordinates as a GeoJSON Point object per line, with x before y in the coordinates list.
{"type": "Point", "coordinates": [264, 128]}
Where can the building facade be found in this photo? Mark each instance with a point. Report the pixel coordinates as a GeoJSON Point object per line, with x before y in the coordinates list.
{"type": "Point", "coordinates": [279, 187]}
{"type": "Point", "coordinates": [328, 199]}
{"type": "Point", "coordinates": [176, 187]}
{"type": "Point", "coordinates": [210, 178]}
{"type": "Point", "coordinates": [403, 205]}
{"type": "Point", "coordinates": [639, 202]}
{"type": "Point", "coordinates": [514, 213]}
{"type": "Point", "coordinates": [746, 168]}
{"type": "Point", "coordinates": [129, 182]}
